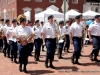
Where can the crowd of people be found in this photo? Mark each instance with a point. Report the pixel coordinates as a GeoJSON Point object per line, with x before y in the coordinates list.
{"type": "Point", "coordinates": [19, 38]}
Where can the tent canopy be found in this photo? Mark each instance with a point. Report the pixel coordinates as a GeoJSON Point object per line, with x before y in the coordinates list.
{"type": "Point", "coordinates": [48, 12]}
{"type": "Point", "coordinates": [72, 13]}
{"type": "Point", "coordinates": [89, 14]}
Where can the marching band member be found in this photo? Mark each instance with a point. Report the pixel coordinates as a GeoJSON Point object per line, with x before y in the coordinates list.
{"type": "Point", "coordinates": [37, 39]}
{"type": "Point", "coordinates": [24, 34]}
{"type": "Point", "coordinates": [83, 24]}
{"type": "Point", "coordinates": [5, 41]}
{"type": "Point", "coordinates": [67, 41]}
{"type": "Point", "coordinates": [1, 29]}
{"type": "Point", "coordinates": [12, 41]}
{"type": "Point", "coordinates": [30, 43]}
{"type": "Point", "coordinates": [94, 36]}
{"type": "Point", "coordinates": [49, 33]}
{"type": "Point", "coordinates": [42, 24]}
{"type": "Point", "coordinates": [76, 36]}
{"type": "Point", "coordinates": [61, 37]}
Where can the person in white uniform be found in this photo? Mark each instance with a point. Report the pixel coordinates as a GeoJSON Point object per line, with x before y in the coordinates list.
{"type": "Point", "coordinates": [1, 32]}
{"type": "Point", "coordinates": [42, 24]}
{"type": "Point", "coordinates": [83, 24]}
{"type": "Point", "coordinates": [12, 41]}
{"type": "Point", "coordinates": [76, 36]}
{"type": "Point", "coordinates": [24, 34]}
{"type": "Point", "coordinates": [61, 38]}
{"type": "Point", "coordinates": [49, 33]}
{"type": "Point", "coordinates": [30, 43]}
{"type": "Point", "coordinates": [37, 39]}
{"type": "Point", "coordinates": [67, 38]}
{"type": "Point", "coordinates": [94, 36]}
{"type": "Point", "coordinates": [6, 44]}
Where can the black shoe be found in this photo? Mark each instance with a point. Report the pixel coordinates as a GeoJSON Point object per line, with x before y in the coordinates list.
{"type": "Point", "coordinates": [72, 60]}
{"type": "Point", "coordinates": [20, 69]}
{"type": "Point", "coordinates": [4, 55]}
{"type": "Point", "coordinates": [51, 66]}
{"type": "Point", "coordinates": [77, 63]}
{"type": "Point", "coordinates": [8, 56]}
{"type": "Point", "coordinates": [11, 60]}
{"type": "Point", "coordinates": [35, 59]}
{"type": "Point", "coordinates": [96, 60]}
{"type": "Point", "coordinates": [91, 57]}
{"type": "Point", "coordinates": [68, 51]}
{"type": "Point", "coordinates": [46, 65]}
{"type": "Point", "coordinates": [31, 55]}
{"type": "Point", "coordinates": [15, 61]}
{"type": "Point", "coordinates": [25, 71]}
{"type": "Point", "coordinates": [38, 59]}
{"type": "Point", "coordinates": [60, 57]}
{"type": "Point", "coordinates": [43, 50]}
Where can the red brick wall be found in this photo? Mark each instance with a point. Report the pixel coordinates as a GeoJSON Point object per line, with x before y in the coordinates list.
{"type": "Point", "coordinates": [32, 4]}
{"type": "Point", "coordinates": [78, 6]}
{"type": "Point", "coordinates": [10, 7]}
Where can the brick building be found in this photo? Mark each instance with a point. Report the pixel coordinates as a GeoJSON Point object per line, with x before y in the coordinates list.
{"type": "Point", "coordinates": [15, 7]}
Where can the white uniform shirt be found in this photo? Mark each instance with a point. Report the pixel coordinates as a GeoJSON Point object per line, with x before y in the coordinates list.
{"type": "Point", "coordinates": [62, 31]}
{"type": "Point", "coordinates": [37, 31]}
{"type": "Point", "coordinates": [49, 30]}
{"type": "Point", "coordinates": [23, 33]}
{"type": "Point", "coordinates": [5, 28]}
{"type": "Point", "coordinates": [1, 27]}
{"type": "Point", "coordinates": [67, 29]}
{"type": "Point", "coordinates": [9, 32]}
{"type": "Point", "coordinates": [83, 24]}
{"type": "Point", "coordinates": [94, 28]}
{"type": "Point", "coordinates": [76, 30]}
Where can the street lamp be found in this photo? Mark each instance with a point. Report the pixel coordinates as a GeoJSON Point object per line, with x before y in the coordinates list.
{"type": "Point", "coordinates": [4, 15]}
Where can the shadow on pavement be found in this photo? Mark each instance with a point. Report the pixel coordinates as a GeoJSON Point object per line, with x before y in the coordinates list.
{"type": "Point", "coordinates": [92, 63]}
{"type": "Point", "coordinates": [74, 69]}
{"type": "Point", "coordinates": [32, 62]}
{"type": "Point", "coordinates": [40, 72]}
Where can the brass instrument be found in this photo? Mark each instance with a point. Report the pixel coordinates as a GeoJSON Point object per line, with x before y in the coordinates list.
{"type": "Point", "coordinates": [20, 16]}
{"type": "Point", "coordinates": [61, 36]}
{"type": "Point", "coordinates": [23, 38]}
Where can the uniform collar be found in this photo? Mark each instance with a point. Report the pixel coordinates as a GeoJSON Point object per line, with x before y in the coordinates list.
{"type": "Point", "coordinates": [95, 22]}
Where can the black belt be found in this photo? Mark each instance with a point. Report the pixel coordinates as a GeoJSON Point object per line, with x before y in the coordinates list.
{"type": "Point", "coordinates": [50, 38]}
{"type": "Point", "coordinates": [95, 36]}
{"type": "Point", "coordinates": [38, 38]}
{"type": "Point", "coordinates": [76, 37]}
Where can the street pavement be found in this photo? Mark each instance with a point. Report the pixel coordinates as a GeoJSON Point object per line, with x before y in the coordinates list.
{"type": "Point", "coordinates": [63, 66]}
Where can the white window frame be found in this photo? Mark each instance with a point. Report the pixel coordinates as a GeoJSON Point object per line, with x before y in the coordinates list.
{"type": "Point", "coordinates": [38, 9]}
{"type": "Point", "coordinates": [52, 1]}
{"type": "Point", "coordinates": [27, 9]}
{"type": "Point", "coordinates": [75, 2]}
{"type": "Point", "coordinates": [38, 0]}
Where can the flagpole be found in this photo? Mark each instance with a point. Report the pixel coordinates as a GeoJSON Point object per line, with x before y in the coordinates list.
{"type": "Point", "coordinates": [64, 12]}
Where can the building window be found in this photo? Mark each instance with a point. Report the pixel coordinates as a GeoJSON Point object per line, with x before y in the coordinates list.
{"type": "Point", "coordinates": [75, 1]}
{"type": "Point", "coordinates": [38, 10]}
{"type": "Point", "coordinates": [52, 1]}
{"type": "Point", "coordinates": [38, 0]}
{"type": "Point", "coordinates": [27, 12]}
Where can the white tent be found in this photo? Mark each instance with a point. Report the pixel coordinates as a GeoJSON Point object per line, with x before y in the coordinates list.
{"type": "Point", "coordinates": [43, 15]}
{"type": "Point", "coordinates": [72, 13]}
{"type": "Point", "coordinates": [48, 12]}
{"type": "Point", "coordinates": [89, 14]}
